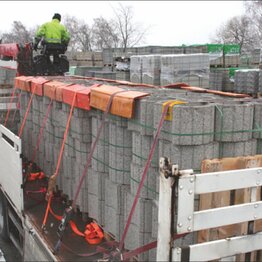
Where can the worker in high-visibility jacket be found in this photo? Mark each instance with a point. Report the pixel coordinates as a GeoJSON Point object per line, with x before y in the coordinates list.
{"type": "Point", "coordinates": [52, 32]}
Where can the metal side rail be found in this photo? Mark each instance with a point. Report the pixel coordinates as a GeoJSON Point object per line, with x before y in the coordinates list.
{"type": "Point", "coordinates": [183, 187]}
{"type": "Point", "coordinates": [11, 177]}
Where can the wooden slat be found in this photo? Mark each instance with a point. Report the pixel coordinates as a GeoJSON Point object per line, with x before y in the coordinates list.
{"type": "Point", "coordinates": [220, 199]}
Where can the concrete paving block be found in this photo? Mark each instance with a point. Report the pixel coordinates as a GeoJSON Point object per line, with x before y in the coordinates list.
{"type": "Point", "coordinates": [114, 223]}
{"type": "Point", "coordinates": [82, 151]}
{"type": "Point", "coordinates": [115, 195]}
{"type": "Point", "coordinates": [234, 121]}
{"type": "Point", "coordinates": [95, 208]}
{"type": "Point", "coordinates": [120, 154]}
{"type": "Point", "coordinates": [100, 158]}
{"type": "Point", "coordinates": [188, 157]}
{"type": "Point", "coordinates": [149, 189]}
{"type": "Point", "coordinates": [96, 183]}
{"type": "Point", "coordinates": [192, 123]}
{"type": "Point", "coordinates": [118, 120]}
{"type": "Point", "coordinates": [141, 146]}
{"type": "Point", "coordinates": [135, 239]}
{"type": "Point", "coordinates": [142, 216]}
{"type": "Point", "coordinates": [257, 123]}
{"type": "Point", "coordinates": [233, 149]}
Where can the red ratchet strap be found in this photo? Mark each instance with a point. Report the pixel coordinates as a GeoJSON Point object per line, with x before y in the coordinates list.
{"type": "Point", "coordinates": [26, 113]}
{"type": "Point", "coordinates": [65, 136]}
{"type": "Point", "coordinates": [9, 106]}
{"type": "Point", "coordinates": [41, 130]}
{"type": "Point", "coordinates": [121, 245]}
{"type": "Point", "coordinates": [94, 146]}
{"type": "Point", "coordinates": [36, 176]}
{"type": "Point", "coordinates": [60, 157]}
{"type": "Point", "coordinates": [93, 234]}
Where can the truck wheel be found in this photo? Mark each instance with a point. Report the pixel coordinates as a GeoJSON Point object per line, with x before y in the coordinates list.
{"type": "Point", "coordinates": [3, 217]}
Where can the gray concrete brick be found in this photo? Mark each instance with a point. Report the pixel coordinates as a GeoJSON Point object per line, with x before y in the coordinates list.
{"type": "Point", "coordinates": [188, 157]}
{"type": "Point", "coordinates": [115, 195]}
{"type": "Point", "coordinates": [149, 189]}
{"type": "Point", "coordinates": [120, 154]}
{"type": "Point", "coordinates": [100, 160]}
{"type": "Point", "coordinates": [234, 121]}
{"type": "Point", "coordinates": [233, 149]}
{"type": "Point", "coordinates": [141, 146]}
{"type": "Point", "coordinates": [192, 123]}
{"type": "Point", "coordinates": [114, 222]}
{"type": "Point", "coordinates": [257, 123]}
{"type": "Point", "coordinates": [142, 216]}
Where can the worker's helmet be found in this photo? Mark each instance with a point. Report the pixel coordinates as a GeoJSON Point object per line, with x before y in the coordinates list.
{"type": "Point", "coordinates": [57, 16]}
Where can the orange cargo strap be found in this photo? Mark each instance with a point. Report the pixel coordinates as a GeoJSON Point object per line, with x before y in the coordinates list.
{"type": "Point", "coordinates": [93, 234]}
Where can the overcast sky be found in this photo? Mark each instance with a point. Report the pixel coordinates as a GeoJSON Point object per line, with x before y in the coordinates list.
{"type": "Point", "coordinates": [169, 22]}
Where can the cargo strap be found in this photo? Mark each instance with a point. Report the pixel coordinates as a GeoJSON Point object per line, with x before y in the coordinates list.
{"type": "Point", "coordinates": [121, 244]}
{"type": "Point", "coordinates": [52, 179]}
{"type": "Point", "coordinates": [93, 233]}
{"type": "Point", "coordinates": [89, 159]}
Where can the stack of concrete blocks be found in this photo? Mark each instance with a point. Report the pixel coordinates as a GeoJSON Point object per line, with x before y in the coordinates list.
{"type": "Point", "coordinates": [233, 128]}
{"type": "Point", "coordinates": [192, 69]}
{"type": "Point", "coordinates": [257, 124]}
{"type": "Point", "coordinates": [228, 82]}
{"type": "Point", "coordinates": [136, 69]}
{"type": "Point", "coordinates": [37, 119]}
{"type": "Point", "coordinates": [215, 79]}
{"type": "Point", "coordinates": [204, 127]}
{"type": "Point", "coordinates": [27, 143]}
{"type": "Point", "coordinates": [246, 81]}
{"type": "Point", "coordinates": [260, 81]}
{"type": "Point", "coordinates": [7, 75]}
{"type": "Point", "coordinates": [118, 182]}
{"type": "Point", "coordinates": [81, 133]}
{"type": "Point", "coordinates": [151, 65]}
{"type": "Point", "coordinates": [98, 173]}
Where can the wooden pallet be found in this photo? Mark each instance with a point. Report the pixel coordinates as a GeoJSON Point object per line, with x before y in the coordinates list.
{"type": "Point", "coordinates": [226, 198]}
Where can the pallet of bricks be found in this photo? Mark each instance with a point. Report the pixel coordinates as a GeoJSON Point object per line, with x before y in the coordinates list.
{"type": "Point", "coordinates": [8, 103]}
{"type": "Point", "coordinates": [199, 126]}
{"type": "Point", "coordinates": [192, 69]}
{"type": "Point", "coordinates": [88, 58]}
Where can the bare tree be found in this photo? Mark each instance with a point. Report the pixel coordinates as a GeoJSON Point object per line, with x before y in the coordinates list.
{"type": "Point", "coordinates": [236, 30]}
{"type": "Point", "coordinates": [18, 34]}
{"type": "Point", "coordinates": [130, 33]}
{"type": "Point", "coordinates": [254, 12]}
{"type": "Point", "coordinates": [80, 33]}
{"type": "Point", "coordinates": [104, 33]}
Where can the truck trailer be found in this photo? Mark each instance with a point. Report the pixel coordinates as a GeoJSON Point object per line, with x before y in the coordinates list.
{"type": "Point", "coordinates": [106, 170]}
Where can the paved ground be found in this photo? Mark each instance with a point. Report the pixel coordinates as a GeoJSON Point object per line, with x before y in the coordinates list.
{"type": "Point", "coordinates": [10, 252]}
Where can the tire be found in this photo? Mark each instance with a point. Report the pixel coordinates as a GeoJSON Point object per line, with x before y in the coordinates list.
{"type": "Point", "coordinates": [4, 232]}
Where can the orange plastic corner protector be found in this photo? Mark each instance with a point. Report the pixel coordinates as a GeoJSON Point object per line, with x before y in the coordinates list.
{"type": "Point", "coordinates": [23, 83]}
{"type": "Point", "coordinates": [37, 84]}
{"type": "Point", "coordinates": [123, 102]}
